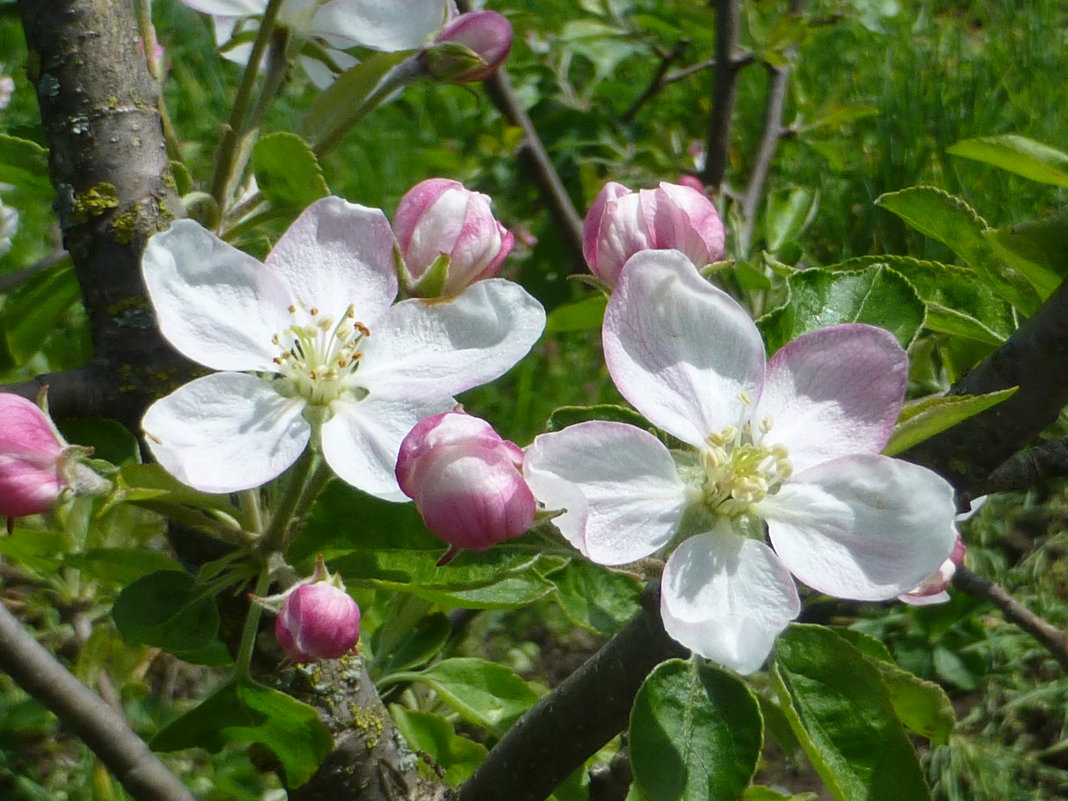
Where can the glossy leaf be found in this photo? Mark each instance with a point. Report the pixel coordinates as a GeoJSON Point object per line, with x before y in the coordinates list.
{"type": "Point", "coordinates": [32, 313]}
{"type": "Point", "coordinates": [695, 733]}
{"type": "Point", "coordinates": [415, 645]}
{"type": "Point", "coordinates": [565, 416]}
{"type": "Point", "coordinates": [109, 439]}
{"type": "Point", "coordinates": [287, 172]}
{"type": "Point", "coordinates": [595, 598]}
{"type": "Point", "coordinates": [434, 736]}
{"type": "Point", "coordinates": [922, 419]}
{"type": "Point", "coordinates": [248, 712]}
{"type": "Point", "coordinates": [841, 712]}
{"type": "Point", "coordinates": [1017, 154]}
{"type": "Point", "coordinates": [1037, 248]}
{"type": "Point", "coordinates": [166, 610]}
{"type": "Point", "coordinates": [877, 296]}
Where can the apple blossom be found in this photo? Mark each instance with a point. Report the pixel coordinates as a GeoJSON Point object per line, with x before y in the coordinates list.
{"type": "Point", "coordinates": [487, 34]}
{"type": "Point", "coordinates": [448, 237]}
{"type": "Point", "coordinates": [792, 443]}
{"type": "Point", "coordinates": [318, 620]}
{"type": "Point", "coordinates": [331, 354]}
{"type": "Point", "coordinates": [465, 481]}
{"type": "Point", "coordinates": [36, 464]}
{"type": "Point", "coordinates": [622, 222]}
{"type": "Point", "coordinates": [340, 24]}
{"type": "Point", "coordinates": [932, 590]}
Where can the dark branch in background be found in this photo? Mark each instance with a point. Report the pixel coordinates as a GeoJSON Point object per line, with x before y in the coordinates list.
{"type": "Point", "coordinates": [1054, 639]}
{"type": "Point", "coordinates": [1028, 468]}
{"type": "Point", "coordinates": [108, 164]}
{"type": "Point", "coordinates": [773, 132]}
{"type": "Point", "coordinates": [87, 715]}
{"type": "Point", "coordinates": [659, 79]}
{"type": "Point", "coordinates": [1033, 359]}
{"type": "Point", "coordinates": [577, 718]}
{"type": "Point", "coordinates": [724, 94]}
{"type": "Point", "coordinates": [533, 153]}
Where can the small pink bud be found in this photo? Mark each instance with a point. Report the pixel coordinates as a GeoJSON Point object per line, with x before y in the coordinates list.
{"type": "Point", "coordinates": [318, 620]}
{"type": "Point", "coordinates": [487, 34]}
{"type": "Point", "coordinates": [31, 455]}
{"type": "Point", "coordinates": [448, 237]}
{"type": "Point", "coordinates": [932, 590]}
{"type": "Point", "coordinates": [465, 481]}
{"type": "Point", "coordinates": [671, 217]}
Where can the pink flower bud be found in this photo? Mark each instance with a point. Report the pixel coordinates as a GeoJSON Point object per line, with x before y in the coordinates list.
{"type": "Point", "coordinates": [487, 34]}
{"type": "Point", "coordinates": [621, 223]}
{"type": "Point", "coordinates": [318, 620]}
{"type": "Point", "coordinates": [465, 481]}
{"type": "Point", "coordinates": [932, 590]}
{"type": "Point", "coordinates": [31, 454]}
{"type": "Point", "coordinates": [448, 237]}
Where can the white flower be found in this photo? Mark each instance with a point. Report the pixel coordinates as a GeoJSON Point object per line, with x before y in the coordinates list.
{"type": "Point", "coordinates": [9, 225]}
{"type": "Point", "coordinates": [317, 325]}
{"type": "Point", "coordinates": [793, 443]}
{"type": "Point", "coordinates": [340, 24]}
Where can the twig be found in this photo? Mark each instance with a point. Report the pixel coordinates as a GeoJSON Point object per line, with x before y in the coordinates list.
{"type": "Point", "coordinates": [500, 91]}
{"type": "Point", "coordinates": [724, 93]}
{"type": "Point", "coordinates": [35, 670]}
{"type": "Point", "coordinates": [659, 80]}
{"type": "Point", "coordinates": [577, 718]}
{"type": "Point", "coordinates": [773, 133]}
{"type": "Point", "coordinates": [1028, 468]}
{"type": "Point", "coordinates": [1054, 639]}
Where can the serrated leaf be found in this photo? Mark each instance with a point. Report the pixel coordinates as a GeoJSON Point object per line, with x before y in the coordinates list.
{"type": "Point", "coordinates": [841, 712]}
{"type": "Point", "coordinates": [565, 416]}
{"type": "Point", "coordinates": [595, 598]}
{"type": "Point", "coordinates": [287, 171]}
{"type": "Point", "coordinates": [248, 712]}
{"type": "Point", "coordinates": [695, 733]}
{"type": "Point", "coordinates": [435, 737]}
{"type": "Point", "coordinates": [1037, 248]}
{"type": "Point", "coordinates": [166, 610]}
{"type": "Point", "coordinates": [1017, 154]}
{"type": "Point", "coordinates": [949, 220]}
{"type": "Point", "coordinates": [582, 315]}
{"type": "Point", "coordinates": [922, 419]}
{"type": "Point", "coordinates": [483, 693]}
{"type": "Point", "coordinates": [876, 296]}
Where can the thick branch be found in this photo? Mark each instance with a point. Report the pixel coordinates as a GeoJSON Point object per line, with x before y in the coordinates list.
{"type": "Point", "coordinates": [89, 717]}
{"type": "Point", "coordinates": [1033, 359]}
{"type": "Point", "coordinates": [1028, 468]}
{"type": "Point", "coordinates": [1054, 639]}
{"type": "Point", "coordinates": [576, 719]}
{"type": "Point", "coordinates": [108, 163]}
{"type": "Point", "coordinates": [724, 93]}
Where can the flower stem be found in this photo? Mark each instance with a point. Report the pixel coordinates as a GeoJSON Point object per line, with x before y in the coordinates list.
{"type": "Point", "coordinates": [252, 624]}
{"type": "Point", "coordinates": [300, 489]}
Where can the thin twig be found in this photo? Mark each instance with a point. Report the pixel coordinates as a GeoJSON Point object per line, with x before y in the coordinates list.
{"type": "Point", "coordinates": [1054, 639]}
{"type": "Point", "coordinates": [659, 80]}
{"type": "Point", "coordinates": [101, 728]}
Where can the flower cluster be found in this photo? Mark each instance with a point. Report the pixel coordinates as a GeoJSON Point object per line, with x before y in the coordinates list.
{"type": "Point", "coordinates": [312, 348]}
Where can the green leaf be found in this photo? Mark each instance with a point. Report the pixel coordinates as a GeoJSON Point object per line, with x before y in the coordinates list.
{"type": "Point", "coordinates": [508, 593]}
{"type": "Point", "coordinates": [595, 598]}
{"type": "Point", "coordinates": [877, 296]}
{"type": "Point", "coordinates": [1017, 154]}
{"type": "Point", "coordinates": [922, 419]}
{"type": "Point", "coordinates": [483, 693]}
{"type": "Point", "coordinates": [166, 610]}
{"type": "Point", "coordinates": [788, 212]}
{"type": "Point", "coordinates": [841, 712]}
{"type": "Point", "coordinates": [415, 645]}
{"type": "Point", "coordinates": [760, 793]}
{"type": "Point", "coordinates": [397, 569]}
{"type": "Point", "coordinates": [695, 733]}
{"type": "Point", "coordinates": [952, 222]}
{"type": "Point", "coordinates": [435, 737]}
{"type": "Point", "coordinates": [32, 313]}
{"type": "Point", "coordinates": [957, 303]}
{"type": "Point", "coordinates": [24, 164]}
{"type": "Point", "coordinates": [35, 549]}
{"type": "Point", "coordinates": [248, 712]}
{"type": "Point", "coordinates": [161, 485]}
{"type": "Point", "coordinates": [121, 565]}
{"type": "Point", "coordinates": [565, 416]}
{"type": "Point", "coordinates": [582, 315]}
{"type": "Point", "coordinates": [287, 172]}
{"type": "Point", "coordinates": [109, 439]}
{"type": "Point", "coordinates": [921, 705]}
{"type": "Point", "coordinates": [1037, 248]}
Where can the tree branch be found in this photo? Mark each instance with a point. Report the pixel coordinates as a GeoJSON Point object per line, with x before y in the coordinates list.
{"type": "Point", "coordinates": [1054, 639]}
{"type": "Point", "coordinates": [87, 715]}
{"type": "Point", "coordinates": [577, 718]}
{"type": "Point", "coordinates": [1028, 468]}
{"type": "Point", "coordinates": [659, 80]}
{"type": "Point", "coordinates": [724, 93]}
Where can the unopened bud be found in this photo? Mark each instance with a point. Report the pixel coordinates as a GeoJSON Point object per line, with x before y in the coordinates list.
{"type": "Point", "coordinates": [318, 620]}
{"type": "Point", "coordinates": [484, 39]}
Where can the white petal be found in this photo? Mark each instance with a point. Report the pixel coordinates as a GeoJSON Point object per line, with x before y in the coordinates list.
{"type": "Point", "coordinates": [680, 350]}
{"type": "Point", "coordinates": [834, 392]}
{"type": "Point", "coordinates": [389, 26]}
{"type": "Point", "coordinates": [623, 496]}
{"type": "Point", "coordinates": [362, 440]}
{"type": "Point", "coordinates": [727, 597]}
{"type": "Point", "coordinates": [226, 432]}
{"type": "Point", "coordinates": [443, 347]}
{"type": "Point", "coordinates": [866, 527]}
{"type": "Point", "coordinates": [228, 8]}
{"type": "Point", "coordinates": [214, 303]}
{"type": "Point", "coordinates": [336, 254]}
{"type": "Point", "coordinates": [322, 76]}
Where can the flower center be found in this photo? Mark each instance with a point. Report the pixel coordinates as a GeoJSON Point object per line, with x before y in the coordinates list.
{"type": "Point", "coordinates": [318, 354]}
{"type": "Point", "coordinates": [739, 471]}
